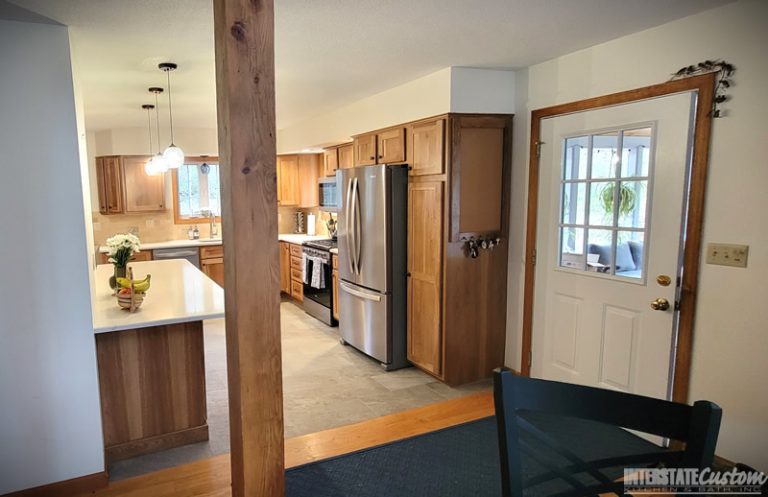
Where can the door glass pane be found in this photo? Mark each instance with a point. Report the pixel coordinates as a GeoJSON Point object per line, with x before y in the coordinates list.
{"type": "Point", "coordinates": [574, 202]}
{"type": "Point", "coordinates": [632, 203]}
{"type": "Point", "coordinates": [572, 248]}
{"type": "Point", "coordinates": [599, 251]}
{"type": "Point", "coordinates": [605, 155]}
{"type": "Point", "coordinates": [576, 153]}
{"type": "Point", "coordinates": [630, 254]}
{"type": "Point", "coordinates": [601, 203]}
{"type": "Point", "coordinates": [636, 149]}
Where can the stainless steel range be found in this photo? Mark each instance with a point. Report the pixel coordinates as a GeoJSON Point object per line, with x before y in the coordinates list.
{"type": "Point", "coordinates": [317, 270]}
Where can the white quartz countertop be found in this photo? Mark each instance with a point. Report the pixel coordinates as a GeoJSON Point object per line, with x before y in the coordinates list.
{"type": "Point", "coordinates": [334, 250]}
{"type": "Point", "coordinates": [297, 238]}
{"type": "Point", "coordinates": [179, 293]}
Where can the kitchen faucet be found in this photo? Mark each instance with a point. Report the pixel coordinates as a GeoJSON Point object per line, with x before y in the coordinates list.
{"type": "Point", "coordinates": [212, 220]}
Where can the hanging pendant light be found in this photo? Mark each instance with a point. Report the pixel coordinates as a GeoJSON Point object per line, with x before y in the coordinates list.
{"type": "Point", "coordinates": [159, 163]}
{"type": "Point", "coordinates": [149, 167]}
{"type": "Point", "coordinates": [173, 154]}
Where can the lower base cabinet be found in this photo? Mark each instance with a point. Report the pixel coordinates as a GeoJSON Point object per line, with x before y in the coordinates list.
{"type": "Point", "coordinates": [291, 282]}
{"type": "Point", "coordinates": [212, 263]}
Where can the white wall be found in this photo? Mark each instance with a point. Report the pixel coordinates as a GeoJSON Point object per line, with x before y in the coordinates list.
{"type": "Point", "coordinates": [50, 426]}
{"type": "Point", "coordinates": [731, 338]}
{"type": "Point", "coordinates": [453, 89]}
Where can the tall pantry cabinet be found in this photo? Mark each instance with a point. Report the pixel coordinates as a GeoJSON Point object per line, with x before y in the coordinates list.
{"type": "Point", "coordinates": [458, 190]}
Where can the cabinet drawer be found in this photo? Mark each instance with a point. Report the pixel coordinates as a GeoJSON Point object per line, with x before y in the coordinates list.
{"type": "Point", "coordinates": [335, 261]}
{"type": "Point", "coordinates": [296, 275]}
{"type": "Point", "coordinates": [296, 263]}
{"type": "Point", "coordinates": [297, 290]}
{"type": "Point", "coordinates": [296, 250]}
{"type": "Point", "coordinates": [212, 252]}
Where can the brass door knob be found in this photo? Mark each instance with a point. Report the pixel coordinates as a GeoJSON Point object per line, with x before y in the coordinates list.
{"type": "Point", "coordinates": [660, 304]}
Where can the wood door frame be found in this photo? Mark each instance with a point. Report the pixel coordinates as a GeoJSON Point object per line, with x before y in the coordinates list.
{"type": "Point", "coordinates": [705, 86]}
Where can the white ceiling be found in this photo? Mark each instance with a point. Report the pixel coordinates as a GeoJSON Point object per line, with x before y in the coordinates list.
{"type": "Point", "coordinates": [328, 52]}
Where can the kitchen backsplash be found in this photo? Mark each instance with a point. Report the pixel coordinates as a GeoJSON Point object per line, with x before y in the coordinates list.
{"type": "Point", "coordinates": [159, 226]}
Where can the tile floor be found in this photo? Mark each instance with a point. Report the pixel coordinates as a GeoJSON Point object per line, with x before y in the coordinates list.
{"type": "Point", "coordinates": [325, 385]}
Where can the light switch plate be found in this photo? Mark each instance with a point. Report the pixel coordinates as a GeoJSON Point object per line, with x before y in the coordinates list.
{"type": "Point", "coordinates": [724, 254]}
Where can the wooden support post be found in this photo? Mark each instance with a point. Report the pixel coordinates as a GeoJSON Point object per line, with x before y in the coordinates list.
{"type": "Point", "coordinates": [245, 87]}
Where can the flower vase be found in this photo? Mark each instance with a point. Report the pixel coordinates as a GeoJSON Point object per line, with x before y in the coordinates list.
{"type": "Point", "coordinates": [120, 272]}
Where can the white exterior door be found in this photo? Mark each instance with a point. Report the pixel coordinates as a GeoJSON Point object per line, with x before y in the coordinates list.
{"type": "Point", "coordinates": [612, 185]}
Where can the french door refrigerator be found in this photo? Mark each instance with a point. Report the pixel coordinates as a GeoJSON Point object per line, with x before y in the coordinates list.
{"type": "Point", "coordinates": [372, 230]}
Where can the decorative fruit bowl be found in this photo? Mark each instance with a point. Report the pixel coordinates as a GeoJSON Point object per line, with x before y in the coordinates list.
{"type": "Point", "coordinates": [131, 292]}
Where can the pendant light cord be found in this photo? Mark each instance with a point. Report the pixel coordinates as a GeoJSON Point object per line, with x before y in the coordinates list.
{"type": "Point", "coordinates": [149, 129]}
{"type": "Point", "coordinates": [157, 116]}
{"type": "Point", "coordinates": [170, 106]}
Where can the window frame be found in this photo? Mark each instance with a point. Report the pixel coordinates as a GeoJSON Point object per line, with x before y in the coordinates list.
{"type": "Point", "coordinates": [178, 219]}
{"type": "Point", "coordinates": [617, 179]}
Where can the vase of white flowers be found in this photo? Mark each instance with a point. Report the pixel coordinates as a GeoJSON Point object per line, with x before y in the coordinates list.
{"type": "Point", "coordinates": [121, 248]}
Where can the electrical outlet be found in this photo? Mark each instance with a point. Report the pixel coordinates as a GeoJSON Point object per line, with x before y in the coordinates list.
{"type": "Point", "coordinates": [724, 254]}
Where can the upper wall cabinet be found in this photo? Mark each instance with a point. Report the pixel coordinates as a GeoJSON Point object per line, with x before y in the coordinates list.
{"type": "Point", "coordinates": [288, 180]}
{"type": "Point", "coordinates": [125, 188]}
{"type": "Point", "coordinates": [427, 147]}
{"type": "Point", "coordinates": [297, 176]}
{"type": "Point", "coordinates": [346, 156]}
{"type": "Point", "coordinates": [330, 161]}
{"type": "Point", "coordinates": [310, 166]}
{"type": "Point", "coordinates": [382, 147]}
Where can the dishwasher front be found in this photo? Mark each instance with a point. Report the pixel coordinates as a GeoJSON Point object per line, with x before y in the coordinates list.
{"type": "Point", "coordinates": [190, 254]}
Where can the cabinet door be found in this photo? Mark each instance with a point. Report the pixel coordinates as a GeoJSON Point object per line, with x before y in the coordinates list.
{"type": "Point", "coordinates": [365, 150]}
{"type": "Point", "coordinates": [346, 156]}
{"type": "Point", "coordinates": [309, 172]}
{"type": "Point", "coordinates": [391, 146]}
{"type": "Point", "coordinates": [142, 193]}
{"type": "Point", "coordinates": [330, 161]}
{"type": "Point", "coordinates": [214, 268]}
{"type": "Point", "coordinates": [427, 148]}
{"type": "Point", "coordinates": [335, 281]}
{"type": "Point", "coordinates": [113, 180]}
{"type": "Point", "coordinates": [425, 228]}
{"type": "Point", "coordinates": [288, 184]}
{"type": "Point", "coordinates": [285, 268]}
{"type": "Point", "coordinates": [101, 185]}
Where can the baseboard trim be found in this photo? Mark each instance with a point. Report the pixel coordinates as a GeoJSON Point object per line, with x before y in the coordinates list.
{"type": "Point", "coordinates": [66, 488]}
{"type": "Point", "coordinates": [157, 443]}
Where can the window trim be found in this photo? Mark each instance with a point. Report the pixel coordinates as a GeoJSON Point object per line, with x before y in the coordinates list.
{"type": "Point", "coordinates": [177, 219]}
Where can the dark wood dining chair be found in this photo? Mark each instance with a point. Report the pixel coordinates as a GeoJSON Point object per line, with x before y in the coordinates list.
{"type": "Point", "coordinates": [566, 440]}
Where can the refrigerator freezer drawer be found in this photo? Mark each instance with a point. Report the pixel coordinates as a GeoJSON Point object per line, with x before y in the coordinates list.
{"type": "Point", "coordinates": [365, 321]}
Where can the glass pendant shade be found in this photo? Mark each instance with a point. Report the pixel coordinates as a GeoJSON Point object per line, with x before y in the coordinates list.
{"type": "Point", "coordinates": [156, 165]}
{"type": "Point", "coordinates": [174, 156]}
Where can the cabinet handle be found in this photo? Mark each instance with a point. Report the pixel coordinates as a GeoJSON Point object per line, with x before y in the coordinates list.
{"type": "Point", "coordinates": [381, 157]}
{"type": "Point", "coordinates": [372, 157]}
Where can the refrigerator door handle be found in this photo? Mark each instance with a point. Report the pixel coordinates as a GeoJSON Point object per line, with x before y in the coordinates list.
{"type": "Point", "coordinates": [358, 228]}
{"type": "Point", "coordinates": [347, 221]}
{"type": "Point", "coordinates": [358, 293]}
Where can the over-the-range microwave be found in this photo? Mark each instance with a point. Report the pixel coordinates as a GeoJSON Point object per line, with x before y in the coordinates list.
{"type": "Point", "coordinates": [328, 194]}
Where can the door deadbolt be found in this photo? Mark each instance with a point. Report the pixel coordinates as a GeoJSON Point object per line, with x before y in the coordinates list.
{"type": "Point", "coordinates": [663, 280]}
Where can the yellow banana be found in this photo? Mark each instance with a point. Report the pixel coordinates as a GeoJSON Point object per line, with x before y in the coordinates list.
{"type": "Point", "coordinates": [139, 286]}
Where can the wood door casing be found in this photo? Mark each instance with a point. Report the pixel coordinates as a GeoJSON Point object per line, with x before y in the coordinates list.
{"type": "Point", "coordinates": [330, 161]}
{"type": "Point", "coordinates": [427, 146]}
{"type": "Point", "coordinates": [346, 156]}
{"type": "Point", "coordinates": [425, 233]}
{"type": "Point", "coordinates": [390, 146]}
{"type": "Point", "coordinates": [285, 268]}
{"type": "Point", "coordinates": [288, 184]}
{"type": "Point", "coordinates": [142, 193]}
{"type": "Point", "coordinates": [365, 150]}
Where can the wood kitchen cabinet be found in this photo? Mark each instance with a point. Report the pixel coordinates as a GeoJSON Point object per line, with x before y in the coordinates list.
{"type": "Point", "coordinates": [425, 230]}
{"type": "Point", "coordinates": [285, 268]}
{"type": "Point", "coordinates": [297, 282]}
{"type": "Point", "coordinates": [212, 263]}
{"type": "Point", "coordinates": [346, 156]}
{"type": "Point", "coordinates": [124, 187]}
{"type": "Point", "coordinates": [330, 161]}
{"type": "Point", "coordinates": [458, 189]}
{"type": "Point", "coordinates": [382, 147]}
{"type": "Point", "coordinates": [310, 166]}
{"type": "Point", "coordinates": [427, 148]}
{"type": "Point", "coordinates": [335, 285]}
{"type": "Point", "coordinates": [288, 180]}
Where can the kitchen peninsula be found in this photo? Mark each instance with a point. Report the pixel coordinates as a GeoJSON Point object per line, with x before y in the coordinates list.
{"type": "Point", "coordinates": [151, 364]}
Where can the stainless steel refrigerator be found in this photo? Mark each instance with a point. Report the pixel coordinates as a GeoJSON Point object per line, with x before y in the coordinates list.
{"type": "Point", "coordinates": [372, 228]}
